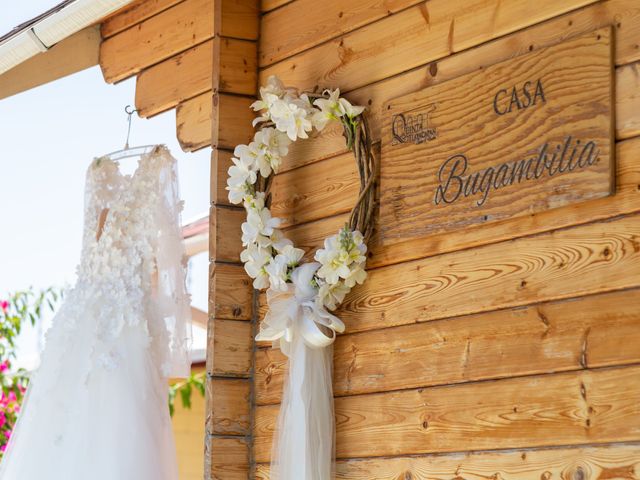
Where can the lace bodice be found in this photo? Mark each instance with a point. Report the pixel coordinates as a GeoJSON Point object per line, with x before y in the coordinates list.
{"type": "Point", "coordinates": [132, 263]}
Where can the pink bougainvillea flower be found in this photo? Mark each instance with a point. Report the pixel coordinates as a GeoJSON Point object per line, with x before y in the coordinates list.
{"type": "Point", "coordinates": [4, 305]}
{"type": "Point", "coordinates": [4, 366]}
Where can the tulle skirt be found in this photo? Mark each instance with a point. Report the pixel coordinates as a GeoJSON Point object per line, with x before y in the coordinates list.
{"type": "Point", "coordinates": [94, 410]}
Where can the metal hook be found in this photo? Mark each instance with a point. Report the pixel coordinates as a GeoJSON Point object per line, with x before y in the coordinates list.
{"type": "Point", "coordinates": [129, 110]}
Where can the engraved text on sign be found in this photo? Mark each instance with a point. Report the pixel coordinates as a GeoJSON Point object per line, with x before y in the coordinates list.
{"type": "Point", "coordinates": [523, 136]}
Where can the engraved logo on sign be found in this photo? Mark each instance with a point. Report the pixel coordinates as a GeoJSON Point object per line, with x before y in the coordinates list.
{"type": "Point", "coordinates": [406, 128]}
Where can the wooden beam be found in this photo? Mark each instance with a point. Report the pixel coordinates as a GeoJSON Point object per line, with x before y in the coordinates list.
{"type": "Point", "coordinates": [316, 22]}
{"type": "Point", "coordinates": [229, 348]}
{"type": "Point", "coordinates": [231, 292]}
{"type": "Point", "coordinates": [576, 408]}
{"type": "Point", "coordinates": [133, 14]}
{"type": "Point", "coordinates": [227, 406]}
{"type": "Point", "coordinates": [226, 458]}
{"type": "Point", "coordinates": [71, 55]}
{"type": "Point", "coordinates": [189, 74]}
{"type": "Point", "coordinates": [370, 54]}
{"type": "Point", "coordinates": [588, 463]}
{"type": "Point", "coordinates": [588, 332]}
{"type": "Point", "coordinates": [583, 260]}
{"type": "Point", "coordinates": [225, 244]}
{"type": "Point", "coordinates": [162, 36]}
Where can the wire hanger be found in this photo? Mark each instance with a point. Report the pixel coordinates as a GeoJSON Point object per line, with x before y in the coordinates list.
{"type": "Point", "coordinates": [128, 151]}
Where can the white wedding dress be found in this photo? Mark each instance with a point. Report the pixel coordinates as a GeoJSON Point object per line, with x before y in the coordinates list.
{"type": "Point", "coordinates": [96, 409]}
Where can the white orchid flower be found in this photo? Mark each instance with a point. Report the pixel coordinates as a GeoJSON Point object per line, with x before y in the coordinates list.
{"type": "Point", "coordinates": [330, 109]}
{"type": "Point", "coordinates": [255, 258]}
{"type": "Point", "coordinates": [273, 145]}
{"type": "Point", "coordinates": [350, 111]}
{"type": "Point", "coordinates": [259, 227]}
{"type": "Point", "coordinates": [291, 119]}
{"type": "Point", "coordinates": [332, 295]}
{"type": "Point", "coordinates": [277, 271]}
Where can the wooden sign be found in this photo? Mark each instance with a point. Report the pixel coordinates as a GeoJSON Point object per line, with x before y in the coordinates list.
{"type": "Point", "coordinates": [526, 135]}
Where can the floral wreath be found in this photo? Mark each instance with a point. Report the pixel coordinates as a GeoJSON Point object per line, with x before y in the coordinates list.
{"type": "Point", "coordinates": [270, 258]}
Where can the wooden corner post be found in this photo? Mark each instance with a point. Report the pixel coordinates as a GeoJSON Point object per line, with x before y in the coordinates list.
{"type": "Point", "coordinates": [230, 328]}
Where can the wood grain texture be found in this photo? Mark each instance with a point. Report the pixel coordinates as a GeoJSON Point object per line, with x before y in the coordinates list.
{"type": "Point", "coordinates": [268, 5]}
{"type": "Point", "coordinates": [588, 332]}
{"type": "Point", "coordinates": [220, 163]}
{"type": "Point", "coordinates": [628, 101]}
{"type": "Point", "coordinates": [590, 463]}
{"type": "Point", "coordinates": [226, 458]}
{"type": "Point", "coordinates": [561, 409]}
{"type": "Point", "coordinates": [422, 33]}
{"type": "Point", "coordinates": [230, 293]}
{"type": "Point", "coordinates": [317, 22]}
{"type": "Point", "coordinates": [193, 122]}
{"type": "Point", "coordinates": [315, 190]}
{"type": "Point", "coordinates": [227, 409]}
{"type": "Point", "coordinates": [498, 150]}
{"type": "Point", "coordinates": [134, 13]}
{"type": "Point", "coordinates": [226, 244]}
{"type": "Point", "coordinates": [229, 347]}
{"type": "Point", "coordinates": [583, 260]}
{"type": "Point", "coordinates": [180, 27]}
{"type": "Point", "coordinates": [234, 121]}
{"type": "Point", "coordinates": [189, 74]}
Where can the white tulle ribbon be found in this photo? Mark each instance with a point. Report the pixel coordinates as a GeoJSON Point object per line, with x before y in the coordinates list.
{"type": "Point", "coordinates": [303, 448]}
{"type": "Point", "coordinates": [295, 309]}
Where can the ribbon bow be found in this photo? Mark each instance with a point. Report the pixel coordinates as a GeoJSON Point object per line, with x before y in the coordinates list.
{"type": "Point", "coordinates": [294, 309]}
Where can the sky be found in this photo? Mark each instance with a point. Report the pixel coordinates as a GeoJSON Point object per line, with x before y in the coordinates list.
{"type": "Point", "coordinates": [48, 137]}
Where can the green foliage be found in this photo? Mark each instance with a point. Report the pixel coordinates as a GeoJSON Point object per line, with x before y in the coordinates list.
{"type": "Point", "coordinates": [185, 390]}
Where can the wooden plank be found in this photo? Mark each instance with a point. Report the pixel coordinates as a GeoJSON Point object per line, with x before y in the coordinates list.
{"type": "Point", "coordinates": [193, 122]}
{"type": "Point", "coordinates": [626, 200]}
{"type": "Point", "coordinates": [588, 332]}
{"type": "Point", "coordinates": [315, 190]}
{"type": "Point", "coordinates": [628, 101]}
{"type": "Point", "coordinates": [220, 163]}
{"type": "Point", "coordinates": [268, 5]}
{"type": "Point", "coordinates": [227, 409]}
{"type": "Point", "coordinates": [588, 259]}
{"type": "Point", "coordinates": [231, 292]}
{"type": "Point", "coordinates": [226, 458]}
{"type": "Point", "coordinates": [519, 137]}
{"type": "Point", "coordinates": [132, 14]}
{"type": "Point", "coordinates": [602, 462]}
{"type": "Point", "coordinates": [225, 245]}
{"type": "Point", "coordinates": [71, 55]}
{"type": "Point", "coordinates": [189, 74]}
{"type": "Point", "coordinates": [370, 53]}
{"type": "Point", "coordinates": [229, 345]}
{"type": "Point", "coordinates": [158, 38]}
{"type": "Point", "coordinates": [317, 22]}
{"type": "Point", "coordinates": [573, 408]}
{"type": "Point", "coordinates": [583, 260]}
{"type": "Point", "coordinates": [234, 124]}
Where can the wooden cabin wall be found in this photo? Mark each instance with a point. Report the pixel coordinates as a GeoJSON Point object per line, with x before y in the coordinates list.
{"type": "Point", "coordinates": [509, 350]}
{"type": "Point", "coordinates": [199, 57]}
